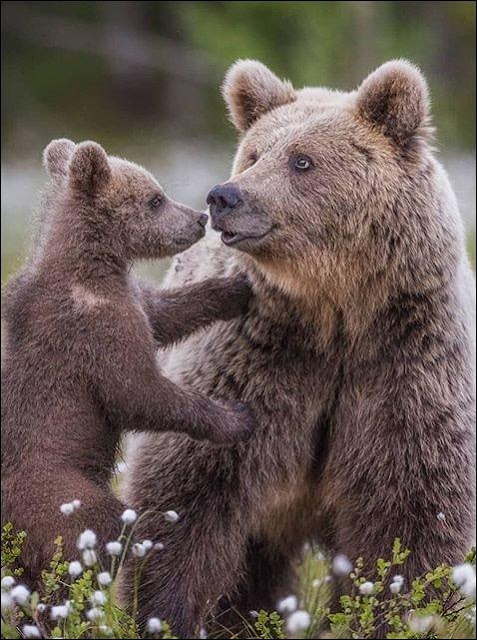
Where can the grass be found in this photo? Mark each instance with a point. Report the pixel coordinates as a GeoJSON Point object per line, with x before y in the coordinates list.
{"type": "Point", "coordinates": [432, 606]}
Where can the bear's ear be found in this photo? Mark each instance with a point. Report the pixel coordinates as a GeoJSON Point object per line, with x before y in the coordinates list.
{"type": "Point", "coordinates": [250, 89]}
{"type": "Point", "coordinates": [395, 98]}
{"type": "Point", "coordinates": [56, 156]}
{"type": "Point", "coordinates": [89, 168]}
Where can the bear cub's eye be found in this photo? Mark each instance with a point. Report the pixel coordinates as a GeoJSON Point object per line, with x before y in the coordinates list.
{"type": "Point", "coordinates": [302, 163]}
{"type": "Point", "coordinates": [156, 201]}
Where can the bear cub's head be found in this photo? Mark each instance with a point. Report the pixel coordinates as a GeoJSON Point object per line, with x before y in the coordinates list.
{"type": "Point", "coordinates": [119, 203]}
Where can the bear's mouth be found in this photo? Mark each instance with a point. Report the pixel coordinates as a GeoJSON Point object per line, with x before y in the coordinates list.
{"type": "Point", "coordinates": [231, 238]}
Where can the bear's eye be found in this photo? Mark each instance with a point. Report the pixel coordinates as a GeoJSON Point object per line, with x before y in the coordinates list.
{"type": "Point", "coordinates": [156, 201]}
{"type": "Point", "coordinates": [252, 159]}
{"type": "Point", "coordinates": [302, 163]}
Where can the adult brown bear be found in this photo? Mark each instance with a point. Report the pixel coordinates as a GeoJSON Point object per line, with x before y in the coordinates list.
{"type": "Point", "coordinates": [355, 355]}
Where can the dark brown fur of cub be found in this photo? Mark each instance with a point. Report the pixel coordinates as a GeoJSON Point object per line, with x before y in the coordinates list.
{"type": "Point", "coordinates": [80, 364]}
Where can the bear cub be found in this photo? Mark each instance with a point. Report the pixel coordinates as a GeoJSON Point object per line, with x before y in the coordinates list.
{"type": "Point", "coordinates": [80, 365]}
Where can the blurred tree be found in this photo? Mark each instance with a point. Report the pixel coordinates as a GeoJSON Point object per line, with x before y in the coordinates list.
{"type": "Point", "coordinates": [120, 69]}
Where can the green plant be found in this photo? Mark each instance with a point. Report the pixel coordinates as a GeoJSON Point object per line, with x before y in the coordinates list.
{"type": "Point", "coordinates": [11, 549]}
{"type": "Point", "coordinates": [431, 606]}
{"type": "Point", "coordinates": [79, 601]}
{"type": "Point", "coordinates": [269, 625]}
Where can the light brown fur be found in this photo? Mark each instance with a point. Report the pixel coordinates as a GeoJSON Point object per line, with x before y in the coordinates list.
{"type": "Point", "coordinates": [356, 354]}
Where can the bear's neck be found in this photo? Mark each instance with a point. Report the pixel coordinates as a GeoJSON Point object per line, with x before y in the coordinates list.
{"type": "Point", "coordinates": [340, 304]}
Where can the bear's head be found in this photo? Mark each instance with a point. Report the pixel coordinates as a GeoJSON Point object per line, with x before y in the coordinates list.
{"type": "Point", "coordinates": [329, 189]}
{"type": "Point", "coordinates": [119, 202]}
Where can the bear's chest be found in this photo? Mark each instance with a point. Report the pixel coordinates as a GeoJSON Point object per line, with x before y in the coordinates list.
{"type": "Point", "coordinates": [276, 367]}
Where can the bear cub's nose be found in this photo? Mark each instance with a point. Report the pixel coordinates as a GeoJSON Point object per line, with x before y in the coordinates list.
{"type": "Point", "coordinates": [222, 199]}
{"type": "Point", "coordinates": [203, 219]}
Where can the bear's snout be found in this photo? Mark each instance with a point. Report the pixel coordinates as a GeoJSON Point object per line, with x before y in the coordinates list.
{"type": "Point", "coordinates": [222, 199]}
{"type": "Point", "coordinates": [203, 219]}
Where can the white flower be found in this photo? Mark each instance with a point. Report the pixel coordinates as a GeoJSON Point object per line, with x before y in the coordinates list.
{"type": "Point", "coordinates": [104, 578]}
{"type": "Point", "coordinates": [138, 550]}
{"type": "Point", "coordinates": [7, 602]}
{"type": "Point", "coordinates": [31, 631]}
{"type": "Point", "coordinates": [147, 544]}
{"type": "Point", "coordinates": [441, 516]}
{"type": "Point", "coordinates": [341, 565]}
{"type": "Point", "coordinates": [75, 569]}
{"type": "Point", "coordinates": [40, 607]}
{"type": "Point", "coordinates": [8, 582]}
{"type": "Point", "coordinates": [395, 587]}
{"type": "Point", "coordinates": [464, 578]}
{"type": "Point", "coordinates": [89, 557]}
{"type": "Point", "coordinates": [203, 634]}
{"type": "Point", "coordinates": [94, 614]}
{"type": "Point", "coordinates": [396, 584]}
{"type": "Point", "coordinates": [20, 594]}
{"type": "Point", "coordinates": [366, 589]}
{"type": "Point", "coordinates": [87, 540]}
{"type": "Point", "coordinates": [114, 548]}
{"type": "Point", "coordinates": [317, 582]}
{"type": "Point", "coordinates": [171, 516]}
{"type": "Point", "coordinates": [298, 621]}
{"type": "Point", "coordinates": [287, 605]}
{"type": "Point", "coordinates": [67, 508]}
{"type": "Point", "coordinates": [98, 598]}
{"type": "Point", "coordinates": [159, 546]}
{"type": "Point", "coordinates": [60, 611]}
{"type": "Point", "coordinates": [320, 556]}
{"type": "Point", "coordinates": [129, 516]}
{"type": "Point", "coordinates": [76, 503]}
{"type": "Point", "coordinates": [107, 631]}
{"type": "Point", "coordinates": [154, 625]}
{"type": "Point", "coordinates": [420, 624]}
{"type": "Point", "coordinates": [254, 613]}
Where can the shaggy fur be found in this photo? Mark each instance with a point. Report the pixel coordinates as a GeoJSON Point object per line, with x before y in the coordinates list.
{"type": "Point", "coordinates": [355, 355]}
{"type": "Point", "coordinates": [80, 365]}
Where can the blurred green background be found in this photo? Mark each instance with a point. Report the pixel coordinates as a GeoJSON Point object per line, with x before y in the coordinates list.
{"type": "Point", "coordinates": [143, 79]}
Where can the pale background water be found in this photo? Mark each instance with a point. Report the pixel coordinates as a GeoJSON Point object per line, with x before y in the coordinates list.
{"type": "Point", "coordinates": [187, 172]}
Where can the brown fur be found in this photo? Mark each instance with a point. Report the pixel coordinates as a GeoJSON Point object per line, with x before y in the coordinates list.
{"type": "Point", "coordinates": [80, 365]}
{"type": "Point", "coordinates": [355, 355]}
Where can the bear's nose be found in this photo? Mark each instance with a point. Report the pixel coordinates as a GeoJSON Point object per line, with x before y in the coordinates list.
{"type": "Point", "coordinates": [222, 199]}
{"type": "Point", "coordinates": [203, 219]}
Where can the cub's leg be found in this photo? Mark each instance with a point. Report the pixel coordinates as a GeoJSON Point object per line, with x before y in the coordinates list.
{"type": "Point", "coordinates": [43, 522]}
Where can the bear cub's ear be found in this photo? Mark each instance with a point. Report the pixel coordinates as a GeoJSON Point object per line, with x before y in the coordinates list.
{"type": "Point", "coordinates": [395, 98]}
{"type": "Point", "coordinates": [250, 90]}
{"type": "Point", "coordinates": [56, 156]}
{"type": "Point", "coordinates": [89, 168]}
